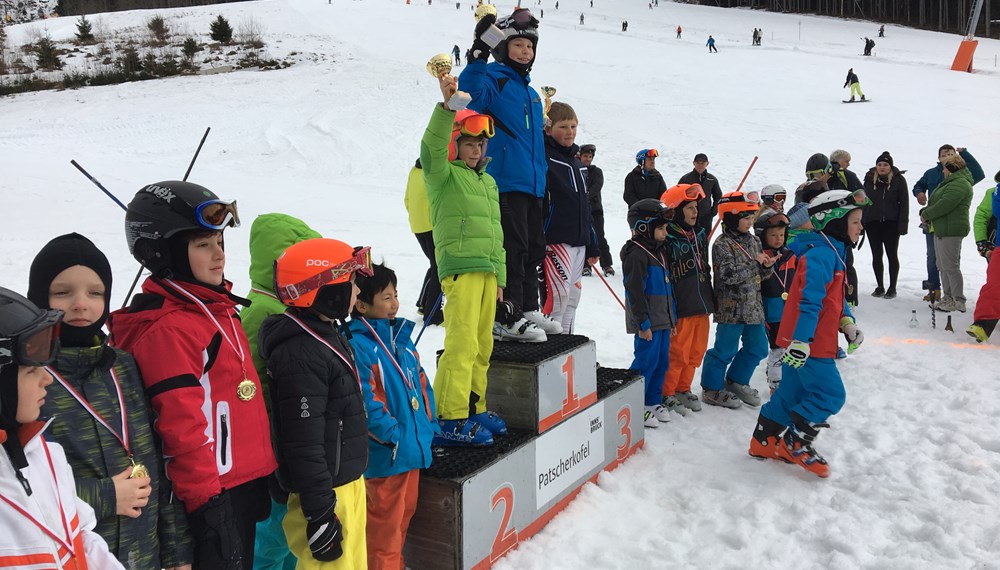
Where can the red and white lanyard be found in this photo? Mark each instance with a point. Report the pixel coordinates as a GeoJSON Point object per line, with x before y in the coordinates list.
{"type": "Point", "coordinates": [745, 252]}
{"type": "Point", "coordinates": [236, 346]}
{"type": "Point", "coordinates": [123, 438]}
{"type": "Point", "coordinates": [835, 252]}
{"type": "Point", "coordinates": [66, 543]}
{"type": "Point", "coordinates": [346, 360]}
{"type": "Point", "coordinates": [694, 245]}
{"type": "Point", "coordinates": [264, 293]}
{"type": "Point", "coordinates": [659, 259]}
{"type": "Point", "coordinates": [409, 383]}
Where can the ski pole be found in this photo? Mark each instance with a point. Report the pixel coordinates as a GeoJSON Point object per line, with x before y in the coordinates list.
{"type": "Point", "coordinates": [608, 285]}
{"type": "Point", "coordinates": [427, 319]}
{"type": "Point", "coordinates": [747, 173]}
{"type": "Point", "coordinates": [98, 184]}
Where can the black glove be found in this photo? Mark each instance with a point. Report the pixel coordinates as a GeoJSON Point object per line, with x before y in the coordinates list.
{"type": "Point", "coordinates": [480, 49]}
{"type": "Point", "coordinates": [985, 247]}
{"type": "Point", "coordinates": [217, 542]}
{"type": "Point", "coordinates": [325, 535]}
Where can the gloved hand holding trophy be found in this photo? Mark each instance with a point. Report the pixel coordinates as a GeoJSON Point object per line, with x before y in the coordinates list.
{"type": "Point", "coordinates": [440, 67]}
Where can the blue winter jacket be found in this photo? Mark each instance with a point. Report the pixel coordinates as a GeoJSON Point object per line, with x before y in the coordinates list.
{"type": "Point", "coordinates": [399, 436]}
{"type": "Point", "coordinates": [933, 177]}
{"type": "Point", "coordinates": [517, 151]}
{"type": "Point", "coordinates": [648, 293]}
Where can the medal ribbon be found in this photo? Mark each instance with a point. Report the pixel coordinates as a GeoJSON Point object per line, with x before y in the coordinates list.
{"type": "Point", "coordinates": [237, 348]}
{"type": "Point", "coordinates": [265, 293]}
{"type": "Point", "coordinates": [328, 345]}
{"type": "Point", "coordinates": [409, 383]}
{"type": "Point", "coordinates": [657, 259]}
{"type": "Point", "coordinates": [67, 544]}
{"type": "Point", "coordinates": [123, 438]}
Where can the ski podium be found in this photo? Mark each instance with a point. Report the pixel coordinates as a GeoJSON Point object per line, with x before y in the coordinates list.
{"type": "Point", "coordinates": [568, 421]}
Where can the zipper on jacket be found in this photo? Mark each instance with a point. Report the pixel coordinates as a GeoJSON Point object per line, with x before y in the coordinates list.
{"type": "Point", "coordinates": [337, 444]}
{"type": "Point", "coordinates": [224, 438]}
{"type": "Point", "coordinates": [461, 236]}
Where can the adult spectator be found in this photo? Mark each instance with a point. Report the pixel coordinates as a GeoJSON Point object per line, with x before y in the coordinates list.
{"type": "Point", "coordinates": [644, 181]}
{"type": "Point", "coordinates": [844, 179]}
{"type": "Point", "coordinates": [709, 205]}
{"type": "Point", "coordinates": [885, 219]}
{"type": "Point", "coordinates": [595, 182]}
{"type": "Point", "coordinates": [947, 213]}
{"type": "Point", "coordinates": [923, 190]}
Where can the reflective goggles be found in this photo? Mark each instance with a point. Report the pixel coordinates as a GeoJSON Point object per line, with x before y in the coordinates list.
{"type": "Point", "coordinates": [828, 169]}
{"type": "Point", "coordinates": [588, 149]}
{"type": "Point", "coordinates": [523, 17]}
{"type": "Point", "coordinates": [694, 192]}
{"type": "Point", "coordinates": [752, 196]}
{"type": "Point", "coordinates": [36, 345]}
{"type": "Point", "coordinates": [856, 199]}
{"type": "Point", "coordinates": [475, 126]}
{"type": "Point", "coordinates": [361, 262]}
{"type": "Point", "coordinates": [651, 153]}
{"type": "Point", "coordinates": [776, 197]}
{"type": "Point", "coordinates": [217, 214]}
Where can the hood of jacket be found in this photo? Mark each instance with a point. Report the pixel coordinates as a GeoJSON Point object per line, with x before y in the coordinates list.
{"type": "Point", "coordinates": [279, 328]}
{"type": "Point", "coordinates": [390, 331]}
{"type": "Point", "coordinates": [270, 236]}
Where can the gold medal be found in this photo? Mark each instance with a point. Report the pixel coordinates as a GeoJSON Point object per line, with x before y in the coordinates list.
{"type": "Point", "coordinates": [415, 403]}
{"type": "Point", "coordinates": [246, 390]}
{"type": "Point", "coordinates": [138, 470]}
{"type": "Point", "coordinates": [784, 296]}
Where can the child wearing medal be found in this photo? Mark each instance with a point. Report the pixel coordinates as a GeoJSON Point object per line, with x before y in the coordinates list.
{"type": "Point", "coordinates": [317, 404]}
{"type": "Point", "coordinates": [43, 523]}
{"type": "Point", "coordinates": [100, 413]}
{"type": "Point", "coordinates": [739, 265]}
{"type": "Point", "coordinates": [771, 228]}
{"type": "Point", "coordinates": [401, 422]}
{"type": "Point", "coordinates": [184, 333]}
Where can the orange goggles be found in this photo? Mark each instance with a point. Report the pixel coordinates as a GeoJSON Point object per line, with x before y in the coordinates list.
{"type": "Point", "coordinates": [475, 126]}
{"type": "Point", "coordinates": [361, 262]}
{"type": "Point", "coordinates": [651, 153]}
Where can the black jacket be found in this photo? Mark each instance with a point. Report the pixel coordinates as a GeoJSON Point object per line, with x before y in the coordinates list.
{"type": "Point", "coordinates": [595, 182]}
{"type": "Point", "coordinates": [844, 179]}
{"type": "Point", "coordinates": [690, 271]}
{"type": "Point", "coordinates": [320, 426]}
{"type": "Point", "coordinates": [851, 77]}
{"type": "Point", "coordinates": [639, 186]}
{"type": "Point", "coordinates": [890, 199]}
{"type": "Point", "coordinates": [708, 207]}
{"type": "Point", "coordinates": [567, 208]}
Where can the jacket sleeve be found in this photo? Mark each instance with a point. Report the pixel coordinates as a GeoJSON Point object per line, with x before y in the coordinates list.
{"type": "Point", "coordinates": [95, 549]}
{"type": "Point", "coordinates": [595, 181]}
{"type": "Point", "coordinates": [921, 186]}
{"type": "Point", "coordinates": [476, 81]}
{"type": "Point", "coordinates": [299, 374]}
{"type": "Point", "coordinates": [716, 196]}
{"type": "Point", "coordinates": [100, 494]}
{"type": "Point", "coordinates": [974, 167]}
{"type": "Point", "coordinates": [434, 148]}
{"type": "Point", "coordinates": [172, 366]}
{"type": "Point", "coordinates": [945, 200]}
{"type": "Point", "coordinates": [629, 195]}
{"type": "Point", "coordinates": [634, 267]}
{"type": "Point", "coordinates": [902, 205]}
{"type": "Point", "coordinates": [382, 426]}
{"type": "Point", "coordinates": [982, 218]}
{"type": "Point", "coordinates": [176, 542]}
{"type": "Point", "coordinates": [853, 182]}
{"type": "Point", "coordinates": [499, 260]}
{"type": "Point", "coordinates": [819, 270]}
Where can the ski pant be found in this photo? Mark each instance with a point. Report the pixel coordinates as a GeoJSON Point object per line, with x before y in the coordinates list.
{"type": "Point", "coordinates": [687, 348]}
{"type": "Point", "coordinates": [852, 278]}
{"type": "Point", "coordinates": [251, 503]}
{"type": "Point", "coordinates": [350, 510]}
{"type": "Point", "coordinates": [814, 392]}
{"type": "Point", "coordinates": [431, 288]}
{"type": "Point", "coordinates": [712, 49]}
{"type": "Point", "coordinates": [988, 304]}
{"type": "Point", "coordinates": [602, 243]}
{"type": "Point", "coordinates": [933, 276]}
{"type": "Point", "coordinates": [524, 242]}
{"type": "Point", "coordinates": [948, 251]}
{"type": "Point", "coordinates": [563, 271]}
{"type": "Point", "coordinates": [460, 382]}
{"type": "Point", "coordinates": [391, 503]}
{"type": "Point", "coordinates": [856, 88]}
{"type": "Point", "coordinates": [652, 359]}
{"type": "Point", "coordinates": [727, 360]}
{"type": "Point", "coordinates": [270, 546]}
{"type": "Point", "coordinates": [884, 236]}
{"type": "Point", "coordinates": [774, 356]}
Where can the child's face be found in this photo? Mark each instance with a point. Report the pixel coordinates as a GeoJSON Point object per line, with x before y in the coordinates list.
{"type": "Point", "coordinates": [383, 306]}
{"type": "Point", "coordinates": [587, 158]}
{"type": "Point", "coordinates": [207, 258]}
{"type": "Point", "coordinates": [690, 213]}
{"type": "Point", "coordinates": [746, 222]}
{"type": "Point", "coordinates": [78, 292]}
{"type": "Point", "coordinates": [521, 50]}
{"type": "Point", "coordinates": [660, 233]}
{"type": "Point", "coordinates": [854, 225]}
{"type": "Point", "coordinates": [774, 238]}
{"type": "Point", "coordinates": [470, 150]}
{"type": "Point", "coordinates": [563, 132]}
{"type": "Point", "coordinates": [31, 383]}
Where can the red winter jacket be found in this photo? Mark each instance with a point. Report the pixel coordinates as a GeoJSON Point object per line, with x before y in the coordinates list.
{"type": "Point", "coordinates": [212, 439]}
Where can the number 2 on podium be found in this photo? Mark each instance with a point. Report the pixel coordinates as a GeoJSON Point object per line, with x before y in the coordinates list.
{"type": "Point", "coordinates": [506, 538]}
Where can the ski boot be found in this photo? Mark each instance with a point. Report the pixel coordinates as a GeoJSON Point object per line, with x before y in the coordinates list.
{"type": "Point", "coordinates": [587, 271]}
{"type": "Point", "coordinates": [491, 421]}
{"type": "Point", "coordinates": [609, 271]}
{"type": "Point", "coordinates": [981, 330]}
{"type": "Point", "coordinates": [851, 100]}
{"type": "Point", "coordinates": [862, 97]}
{"type": "Point", "coordinates": [796, 446]}
{"type": "Point", "coordinates": [463, 433]}
{"type": "Point", "coordinates": [766, 439]}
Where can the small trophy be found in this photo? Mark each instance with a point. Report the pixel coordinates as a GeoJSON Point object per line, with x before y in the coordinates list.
{"type": "Point", "coordinates": [439, 66]}
{"type": "Point", "coordinates": [491, 35]}
{"type": "Point", "coordinates": [483, 9]}
{"type": "Point", "coordinates": [548, 91]}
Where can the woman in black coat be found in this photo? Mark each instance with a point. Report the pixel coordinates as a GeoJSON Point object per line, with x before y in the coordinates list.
{"type": "Point", "coordinates": [886, 219]}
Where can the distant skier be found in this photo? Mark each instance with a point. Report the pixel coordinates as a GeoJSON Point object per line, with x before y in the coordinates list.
{"type": "Point", "coordinates": [756, 37]}
{"type": "Point", "coordinates": [711, 45]}
{"type": "Point", "coordinates": [457, 53]}
{"type": "Point", "coordinates": [852, 80]}
{"type": "Point", "coordinates": [881, 31]}
{"type": "Point", "coordinates": [869, 44]}
{"type": "Point", "coordinates": [581, 18]}
{"type": "Point", "coordinates": [679, 30]}
{"type": "Point", "coordinates": [624, 25]}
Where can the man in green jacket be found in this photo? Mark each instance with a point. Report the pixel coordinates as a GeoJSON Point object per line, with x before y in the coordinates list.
{"type": "Point", "coordinates": [468, 244]}
{"type": "Point", "coordinates": [947, 212]}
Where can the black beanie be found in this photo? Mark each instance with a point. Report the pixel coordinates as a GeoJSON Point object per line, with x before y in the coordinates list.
{"type": "Point", "coordinates": [58, 255]}
{"type": "Point", "coordinates": [837, 229]}
{"type": "Point", "coordinates": [885, 157]}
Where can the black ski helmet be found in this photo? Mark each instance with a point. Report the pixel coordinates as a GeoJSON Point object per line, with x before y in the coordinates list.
{"type": "Point", "coordinates": [769, 218]}
{"type": "Point", "coordinates": [818, 165]}
{"type": "Point", "coordinates": [161, 210]}
{"type": "Point", "coordinates": [647, 214]}
{"type": "Point", "coordinates": [520, 24]}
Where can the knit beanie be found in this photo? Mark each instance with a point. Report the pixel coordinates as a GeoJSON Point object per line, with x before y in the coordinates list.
{"type": "Point", "coordinates": [57, 256]}
{"type": "Point", "coordinates": [885, 157]}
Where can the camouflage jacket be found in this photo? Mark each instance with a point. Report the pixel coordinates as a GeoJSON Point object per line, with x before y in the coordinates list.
{"type": "Point", "coordinates": [737, 279]}
{"type": "Point", "coordinates": [159, 537]}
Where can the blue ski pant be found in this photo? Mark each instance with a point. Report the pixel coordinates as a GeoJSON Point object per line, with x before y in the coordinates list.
{"type": "Point", "coordinates": [270, 546]}
{"type": "Point", "coordinates": [933, 276]}
{"type": "Point", "coordinates": [814, 392]}
{"type": "Point", "coordinates": [727, 359]}
{"type": "Point", "coordinates": [652, 359]}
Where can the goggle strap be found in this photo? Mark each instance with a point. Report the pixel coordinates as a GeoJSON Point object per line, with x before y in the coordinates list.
{"type": "Point", "coordinates": [6, 351]}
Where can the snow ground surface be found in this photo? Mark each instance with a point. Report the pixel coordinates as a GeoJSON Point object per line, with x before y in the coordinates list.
{"type": "Point", "coordinates": [914, 453]}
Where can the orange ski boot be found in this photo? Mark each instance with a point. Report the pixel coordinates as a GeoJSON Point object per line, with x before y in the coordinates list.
{"type": "Point", "coordinates": [796, 447]}
{"type": "Point", "coordinates": [766, 439]}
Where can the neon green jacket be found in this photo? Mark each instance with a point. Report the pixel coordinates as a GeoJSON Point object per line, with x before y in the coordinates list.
{"type": "Point", "coordinates": [415, 200]}
{"type": "Point", "coordinates": [983, 214]}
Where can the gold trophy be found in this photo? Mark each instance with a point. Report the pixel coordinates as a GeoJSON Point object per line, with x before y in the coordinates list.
{"type": "Point", "coordinates": [548, 91]}
{"type": "Point", "coordinates": [483, 9]}
{"type": "Point", "coordinates": [440, 66]}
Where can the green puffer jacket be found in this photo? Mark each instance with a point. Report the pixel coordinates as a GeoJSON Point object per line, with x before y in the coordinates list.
{"type": "Point", "coordinates": [981, 221]}
{"type": "Point", "coordinates": [159, 537]}
{"type": "Point", "coordinates": [465, 207]}
{"type": "Point", "coordinates": [270, 236]}
{"type": "Point", "coordinates": [948, 207]}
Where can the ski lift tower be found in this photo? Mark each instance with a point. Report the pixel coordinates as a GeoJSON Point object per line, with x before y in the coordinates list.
{"type": "Point", "coordinates": [963, 59]}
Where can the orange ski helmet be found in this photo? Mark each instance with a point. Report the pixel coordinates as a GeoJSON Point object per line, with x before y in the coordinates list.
{"type": "Point", "coordinates": [316, 273]}
{"type": "Point", "coordinates": [469, 123]}
{"type": "Point", "coordinates": [674, 196]}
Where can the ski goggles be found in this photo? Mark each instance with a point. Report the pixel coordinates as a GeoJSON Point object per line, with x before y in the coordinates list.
{"type": "Point", "coordinates": [739, 203]}
{"type": "Point", "coordinates": [828, 169]}
{"type": "Point", "coordinates": [521, 19]}
{"type": "Point", "coordinates": [217, 214]}
{"type": "Point", "coordinates": [588, 149]}
{"type": "Point", "coordinates": [856, 199]}
{"type": "Point", "coordinates": [694, 192]}
{"type": "Point", "coordinates": [776, 197]}
{"type": "Point", "coordinates": [476, 126]}
{"type": "Point", "coordinates": [36, 345]}
{"type": "Point", "coordinates": [651, 153]}
{"type": "Point", "coordinates": [361, 262]}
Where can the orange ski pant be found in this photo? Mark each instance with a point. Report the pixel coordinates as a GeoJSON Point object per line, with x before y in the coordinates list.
{"type": "Point", "coordinates": [687, 349]}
